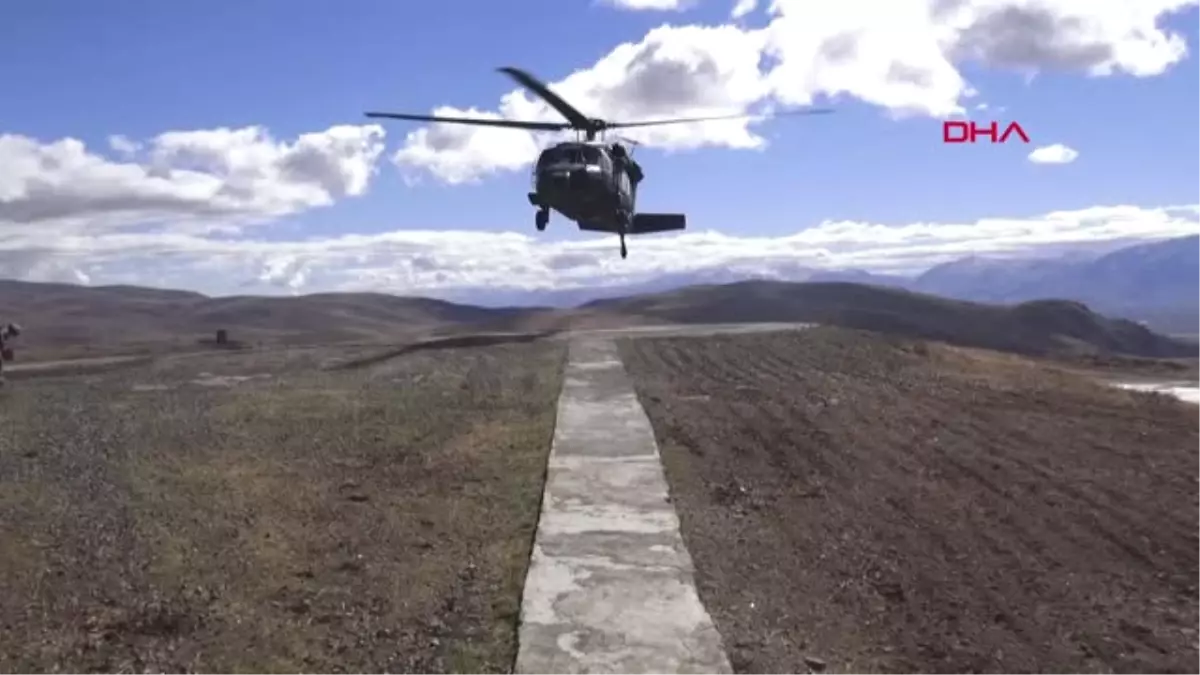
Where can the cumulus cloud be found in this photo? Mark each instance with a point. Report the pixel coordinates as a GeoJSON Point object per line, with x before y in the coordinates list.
{"type": "Point", "coordinates": [436, 262]}
{"type": "Point", "coordinates": [464, 154]}
{"type": "Point", "coordinates": [1053, 154]}
{"type": "Point", "coordinates": [688, 71]}
{"type": "Point", "coordinates": [206, 178]}
{"type": "Point", "coordinates": [904, 56]}
{"type": "Point", "coordinates": [158, 215]}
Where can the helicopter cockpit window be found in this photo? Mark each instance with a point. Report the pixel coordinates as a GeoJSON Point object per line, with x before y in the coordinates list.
{"type": "Point", "coordinates": [601, 160]}
{"type": "Point", "coordinates": [547, 158]}
{"type": "Point", "coordinates": [571, 155]}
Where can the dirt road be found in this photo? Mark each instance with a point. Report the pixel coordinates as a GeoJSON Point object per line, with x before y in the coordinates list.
{"type": "Point", "coordinates": [863, 504]}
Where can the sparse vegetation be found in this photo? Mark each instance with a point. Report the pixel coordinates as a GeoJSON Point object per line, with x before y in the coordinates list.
{"type": "Point", "coordinates": [287, 504]}
{"type": "Point", "coordinates": [886, 505]}
{"type": "Point", "coordinates": [245, 511]}
{"type": "Point", "coordinates": [69, 321]}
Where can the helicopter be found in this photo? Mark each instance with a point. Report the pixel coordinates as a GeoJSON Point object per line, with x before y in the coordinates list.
{"type": "Point", "coordinates": [588, 180]}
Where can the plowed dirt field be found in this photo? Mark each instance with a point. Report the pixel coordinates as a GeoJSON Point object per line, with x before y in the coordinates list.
{"type": "Point", "coordinates": [864, 504]}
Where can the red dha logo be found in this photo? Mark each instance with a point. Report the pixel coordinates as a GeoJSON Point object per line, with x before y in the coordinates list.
{"type": "Point", "coordinates": [966, 132]}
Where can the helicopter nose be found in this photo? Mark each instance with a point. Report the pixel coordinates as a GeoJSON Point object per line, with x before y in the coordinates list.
{"type": "Point", "coordinates": [564, 178]}
{"type": "Point", "coordinates": [554, 179]}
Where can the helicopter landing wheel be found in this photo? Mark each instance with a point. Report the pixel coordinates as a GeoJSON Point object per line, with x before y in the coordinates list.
{"type": "Point", "coordinates": [541, 218]}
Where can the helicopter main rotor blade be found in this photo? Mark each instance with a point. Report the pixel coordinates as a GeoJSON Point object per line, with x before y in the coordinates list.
{"type": "Point", "coordinates": [578, 120]}
{"type": "Point", "coordinates": [509, 124]}
{"type": "Point", "coordinates": [685, 120]}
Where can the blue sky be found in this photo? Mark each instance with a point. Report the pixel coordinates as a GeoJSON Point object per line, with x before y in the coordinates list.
{"type": "Point", "coordinates": [138, 69]}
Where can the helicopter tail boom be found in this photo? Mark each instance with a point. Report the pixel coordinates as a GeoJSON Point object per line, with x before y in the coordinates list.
{"type": "Point", "coordinates": [649, 223]}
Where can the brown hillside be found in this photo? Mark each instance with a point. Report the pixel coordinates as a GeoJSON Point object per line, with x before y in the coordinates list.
{"type": "Point", "coordinates": [63, 315]}
{"type": "Point", "coordinates": [64, 318]}
{"type": "Point", "coordinates": [1036, 328]}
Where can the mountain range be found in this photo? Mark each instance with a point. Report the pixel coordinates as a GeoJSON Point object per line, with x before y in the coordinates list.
{"type": "Point", "coordinates": [65, 321]}
{"type": "Point", "coordinates": [1080, 303]}
{"type": "Point", "coordinates": [1157, 283]}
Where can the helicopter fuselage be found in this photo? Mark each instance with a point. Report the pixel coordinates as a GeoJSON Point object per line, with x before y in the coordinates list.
{"type": "Point", "coordinates": [587, 183]}
{"type": "Point", "coordinates": [595, 185]}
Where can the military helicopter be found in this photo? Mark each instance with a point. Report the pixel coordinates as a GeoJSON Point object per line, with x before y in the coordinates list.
{"type": "Point", "coordinates": [589, 181]}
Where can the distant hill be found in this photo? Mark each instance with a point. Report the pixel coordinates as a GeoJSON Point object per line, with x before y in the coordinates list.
{"type": "Point", "coordinates": [62, 314]}
{"type": "Point", "coordinates": [1036, 328]}
{"type": "Point", "coordinates": [1156, 282]}
{"type": "Point", "coordinates": [989, 280]}
{"type": "Point", "coordinates": [1160, 275]}
{"type": "Point", "coordinates": [567, 298]}
{"type": "Point", "coordinates": [97, 318]}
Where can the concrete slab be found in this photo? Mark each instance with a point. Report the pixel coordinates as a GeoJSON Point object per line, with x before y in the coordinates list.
{"type": "Point", "coordinates": [610, 585]}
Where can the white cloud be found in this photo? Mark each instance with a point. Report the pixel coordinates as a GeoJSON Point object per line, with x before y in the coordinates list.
{"type": "Point", "coordinates": [674, 71]}
{"type": "Point", "coordinates": [124, 146]}
{"type": "Point", "coordinates": [432, 262]}
{"type": "Point", "coordinates": [1053, 154]}
{"type": "Point", "coordinates": [647, 5]}
{"type": "Point", "coordinates": [464, 154]}
{"type": "Point", "coordinates": [904, 56]}
{"type": "Point", "coordinates": [201, 179]}
{"type": "Point", "coordinates": [742, 8]}
{"type": "Point", "coordinates": [162, 216]}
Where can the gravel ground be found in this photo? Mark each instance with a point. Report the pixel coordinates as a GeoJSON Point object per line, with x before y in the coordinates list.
{"type": "Point", "coordinates": [246, 511]}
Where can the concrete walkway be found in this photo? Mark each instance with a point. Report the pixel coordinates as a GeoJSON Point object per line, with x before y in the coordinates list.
{"type": "Point", "coordinates": [609, 588]}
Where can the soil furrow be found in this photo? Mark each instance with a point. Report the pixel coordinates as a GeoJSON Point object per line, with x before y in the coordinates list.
{"type": "Point", "coordinates": [890, 505]}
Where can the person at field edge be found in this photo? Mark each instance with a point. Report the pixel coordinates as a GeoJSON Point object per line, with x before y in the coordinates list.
{"type": "Point", "coordinates": [7, 332]}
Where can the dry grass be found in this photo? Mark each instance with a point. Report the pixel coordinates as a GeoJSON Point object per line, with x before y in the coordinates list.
{"type": "Point", "coordinates": [171, 516]}
{"type": "Point", "coordinates": [888, 505]}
